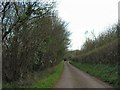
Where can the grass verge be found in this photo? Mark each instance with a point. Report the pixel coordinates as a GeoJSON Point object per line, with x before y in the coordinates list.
{"type": "Point", "coordinates": [107, 73]}
{"type": "Point", "coordinates": [51, 79]}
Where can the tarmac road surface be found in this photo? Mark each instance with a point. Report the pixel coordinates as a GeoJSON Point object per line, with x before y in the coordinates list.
{"type": "Point", "coordinates": [75, 78]}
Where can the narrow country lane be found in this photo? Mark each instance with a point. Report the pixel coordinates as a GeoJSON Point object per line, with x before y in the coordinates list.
{"type": "Point", "coordinates": [75, 78]}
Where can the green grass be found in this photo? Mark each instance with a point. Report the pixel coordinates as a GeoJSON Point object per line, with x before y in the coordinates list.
{"type": "Point", "coordinates": [51, 79]}
{"type": "Point", "coordinates": [107, 73]}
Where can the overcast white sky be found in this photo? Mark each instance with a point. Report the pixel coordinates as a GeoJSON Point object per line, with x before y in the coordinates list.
{"type": "Point", "coordinates": [87, 15]}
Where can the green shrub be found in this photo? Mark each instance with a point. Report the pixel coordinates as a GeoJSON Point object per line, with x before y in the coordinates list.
{"type": "Point", "coordinates": [106, 54]}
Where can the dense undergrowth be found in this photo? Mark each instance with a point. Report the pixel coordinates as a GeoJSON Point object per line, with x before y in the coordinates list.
{"type": "Point", "coordinates": [51, 79]}
{"type": "Point", "coordinates": [106, 54]}
{"type": "Point", "coordinates": [44, 79]}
